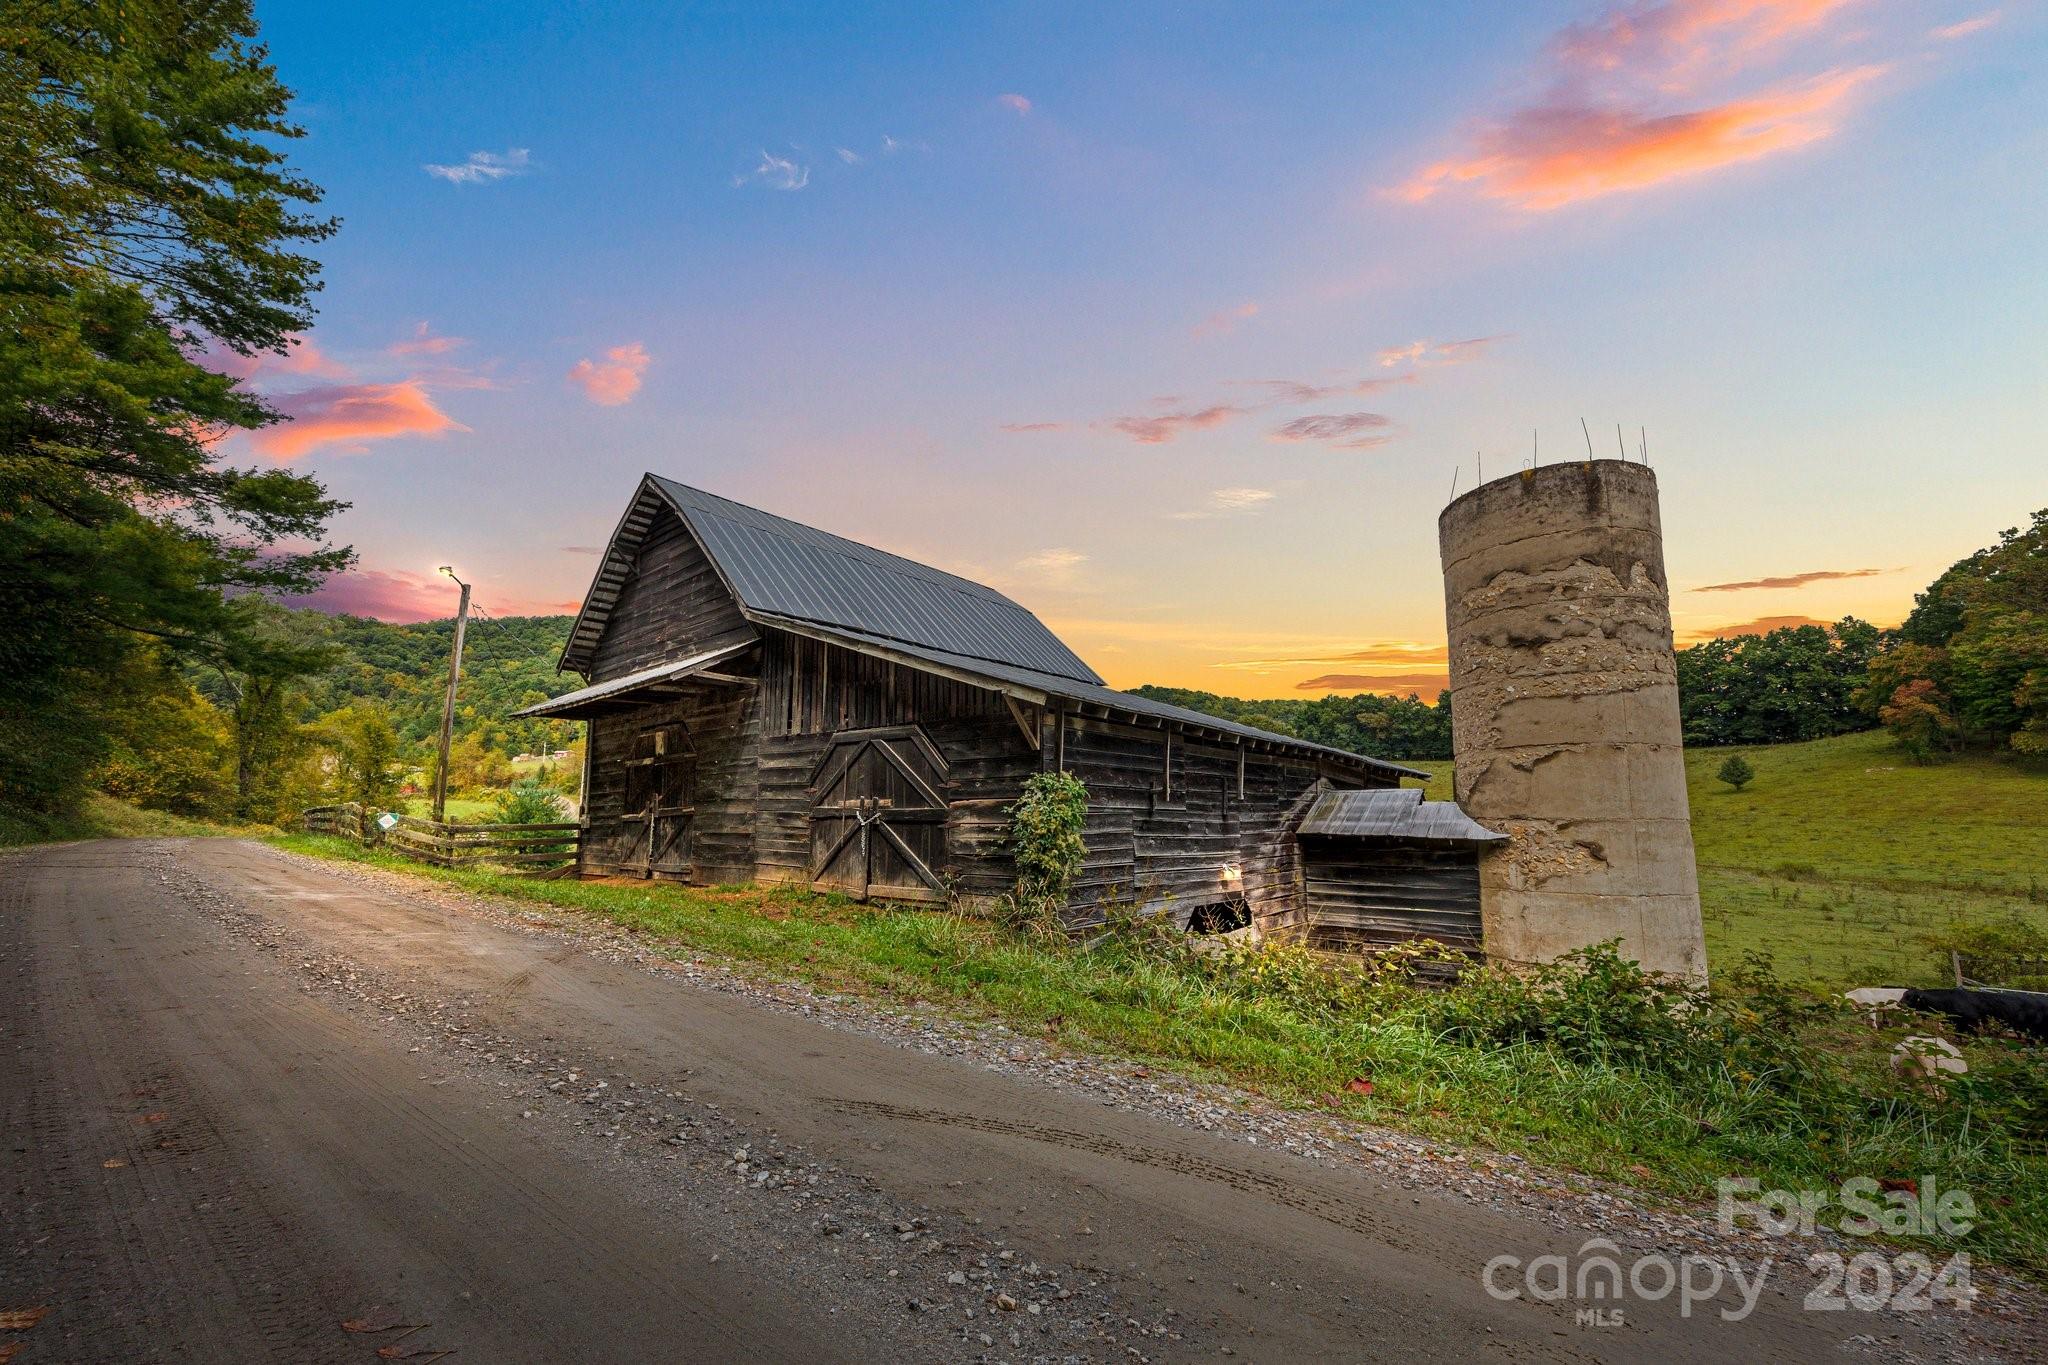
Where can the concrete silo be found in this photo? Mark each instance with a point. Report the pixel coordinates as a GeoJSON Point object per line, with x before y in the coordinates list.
{"type": "Point", "coordinates": [1564, 712]}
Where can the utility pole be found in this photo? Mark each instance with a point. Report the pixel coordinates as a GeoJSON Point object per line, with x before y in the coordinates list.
{"type": "Point", "coordinates": [448, 705]}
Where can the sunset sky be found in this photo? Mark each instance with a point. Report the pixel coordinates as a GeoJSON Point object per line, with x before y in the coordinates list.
{"type": "Point", "coordinates": [1177, 323]}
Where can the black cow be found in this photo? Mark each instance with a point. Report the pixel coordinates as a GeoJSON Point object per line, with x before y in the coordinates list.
{"type": "Point", "coordinates": [2024, 1012]}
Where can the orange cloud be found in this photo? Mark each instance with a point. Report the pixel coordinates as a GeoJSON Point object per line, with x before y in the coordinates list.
{"type": "Point", "coordinates": [1223, 322]}
{"type": "Point", "coordinates": [1154, 431]}
{"type": "Point", "coordinates": [1685, 33]}
{"type": "Point", "coordinates": [424, 342]}
{"type": "Point", "coordinates": [1016, 104]}
{"type": "Point", "coordinates": [1387, 685]}
{"type": "Point", "coordinates": [613, 380]}
{"type": "Point", "coordinates": [1763, 625]}
{"type": "Point", "coordinates": [350, 414]}
{"type": "Point", "coordinates": [1549, 157]}
{"type": "Point", "coordinates": [1797, 580]}
{"type": "Point", "coordinates": [1408, 652]}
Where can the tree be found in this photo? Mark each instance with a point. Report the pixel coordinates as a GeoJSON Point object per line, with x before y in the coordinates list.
{"type": "Point", "coordinates": [1971, 662]}
{"type": "Point", "coordinates": [1918, 714]}
{"type": "Point", "coordinates": [1736, 772]}
{"type": "Point", "coordinates": [1794, 683]}
{"type": "Point", "coordinates": [146, 217]}
{"type": "Point", "coordinates": [365, 750]}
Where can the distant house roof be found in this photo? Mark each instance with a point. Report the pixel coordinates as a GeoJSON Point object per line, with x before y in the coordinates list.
{"type": "Point", "coordinates": [1394, 813]}
{"type": "Point", "coordinates": [793, 577]}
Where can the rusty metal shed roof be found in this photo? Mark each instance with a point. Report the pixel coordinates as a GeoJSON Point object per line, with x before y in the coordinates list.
{"type": "Point", "coordinates": [1394, 813]}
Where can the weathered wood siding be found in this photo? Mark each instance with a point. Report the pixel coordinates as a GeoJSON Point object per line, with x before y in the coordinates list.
{"type": "Point", "coordinates": [1372, 893]}
{"type": "Point", "coordinates": [726, 734]}
{"type": "Point", "coordinates": [1162, 846]}
{"type": "Point", "coordinates": [811, 691]}
{"type": "Point", "coordinates": [672, 606]}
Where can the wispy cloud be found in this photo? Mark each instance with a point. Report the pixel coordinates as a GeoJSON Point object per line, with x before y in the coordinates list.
{"type": "Point", "coordinates": [349, 416]}
{"type": "Point", "coordinates": [303, 357]}
{"type": "Point", "coordinates": [776, 172]}
{"type": "Point", "coordinates": [848, 155]}
{"type": "Point", "coordinates": [1797, 580]}
{"type": "Point", "coordinates": [423, 341]}
{"type": "Point", "coordinates": [1164, 427]}
{"type": "Point", "coordinates": [1384, 684]}
{"type": "Point", "coordinates": [1226, 502]}
{"type": "Point", "coordinates": [1422, 353]}
{"type": "Point", "coordinates": [1650, 93]}
{"type": "Point", "coordinates": [613, 380]}
{"type": "Point", "coordinates": [1763, 625]}
{"type": "Point", "coordinates": [483, 167]}
{"type": "Point", "coordinates": [1287, 391]}
{"type": "Point", "coordinates": [1224, 321]}
{"type": "Point", "coordinates": [1015, 103]}
{"type": "Point", "coordinates": [582, 549]}
{"type": "Point", "coordinates": [1346, 430]}
{"type": "Point", "coordinates": [1058, 566]}
{"type": "Point", "coordinates": [1031, 426]}
{"type": "Point", "coordinates": [1948, 33]}
{"type": "Point", "coordinates": [1412, 653]}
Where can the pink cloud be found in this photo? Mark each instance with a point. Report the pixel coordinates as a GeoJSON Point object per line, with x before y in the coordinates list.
{"type": "Point", "coordinates": [1625, 108]}
{"type": "Point", "coordinates": [1948, 33]}
{"type": "Point", "coordinates": [1682, 34]}
{"type": "Point", "coordinates": [1351, 430]}
{"type": "Point", "coordinates": [303, 358]}
{"type": "Point", "coordinates": [1167, 426]}
{"type": "Point", "coordinates": [404, 598]}
{"type": "Point", "coordinates": [613, 380]}
{"type": "Point", "coordinates": [1224, 322]}
{"type": "Point", "coordinates": [349, 415]}
{"type": "Point", "coordinates": [1031, 426]}
{"type": "Point", "coordinates": [1298, 391]}
{"type": "Point", "coordinates": [1016, 103]}
{"type": "Point", "coordinates": [1546, 158]}
{"type": "Point", "coordinates": [424, 342]}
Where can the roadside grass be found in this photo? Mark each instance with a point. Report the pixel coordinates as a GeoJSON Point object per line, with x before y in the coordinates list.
{"type": "Point", "coordinates": [106, 817]}
{"type": "Point", "coordinates": [1843, 852]}
{"type": "Point", "coordinates": [1799, 1104]}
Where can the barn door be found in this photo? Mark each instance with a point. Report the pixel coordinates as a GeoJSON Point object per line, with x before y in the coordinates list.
{"type": "Point", "coordinates": [659, 802]}
{"type": "Point", "coordinates": [878, 815]}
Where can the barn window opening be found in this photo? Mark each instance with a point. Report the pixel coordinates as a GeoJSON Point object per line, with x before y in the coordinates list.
{"type": "Point", "coordinates": [1220, 917]}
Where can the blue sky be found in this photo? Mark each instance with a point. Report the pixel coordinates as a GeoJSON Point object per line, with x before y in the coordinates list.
{"type": "Point", "coordinates": [828, 263]}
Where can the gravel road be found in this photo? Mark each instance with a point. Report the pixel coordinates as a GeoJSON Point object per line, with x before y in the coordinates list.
{"type": "Point", "coordinates": [259, 1107]}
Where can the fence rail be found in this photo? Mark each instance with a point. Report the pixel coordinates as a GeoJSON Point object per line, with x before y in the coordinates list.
{"type": "Point", "coordinates": [544, 849]}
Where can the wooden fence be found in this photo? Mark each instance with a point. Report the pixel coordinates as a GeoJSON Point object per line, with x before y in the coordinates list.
{"type": "Point", "coordinates": [544, 849]}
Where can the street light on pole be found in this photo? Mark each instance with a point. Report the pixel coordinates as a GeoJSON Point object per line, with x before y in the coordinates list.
{"type": "Point", "coordinates": [448, 705]}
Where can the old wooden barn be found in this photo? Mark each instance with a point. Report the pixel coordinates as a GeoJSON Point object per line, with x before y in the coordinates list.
{"type": "Point", "coordinates": [768, 702]}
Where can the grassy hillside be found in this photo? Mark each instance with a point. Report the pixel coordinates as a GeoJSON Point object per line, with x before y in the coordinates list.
{"type": "Point", "coordinates": [1842, 852]}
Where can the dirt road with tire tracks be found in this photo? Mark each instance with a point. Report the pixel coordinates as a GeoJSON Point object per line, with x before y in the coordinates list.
{"type": "Point", "coordinates": [258, 1108]}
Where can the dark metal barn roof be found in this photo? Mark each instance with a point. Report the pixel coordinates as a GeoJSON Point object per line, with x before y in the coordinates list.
{"type": "Point", "coordinates": [784, 568]}
{"type": "Point", "coordinates": [1394, 813]}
